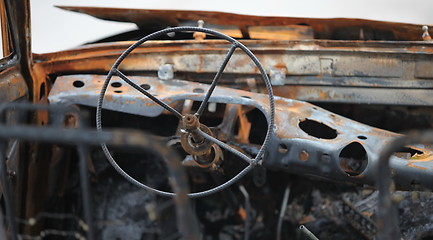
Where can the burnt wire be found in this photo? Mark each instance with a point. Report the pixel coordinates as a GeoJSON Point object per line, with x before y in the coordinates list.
{"type": "Point", "coordinates": [248, 212]}
{"type": "Point", "coordinates": [283, 211]}
{"type": "Point", "coordinates": [83, 152]}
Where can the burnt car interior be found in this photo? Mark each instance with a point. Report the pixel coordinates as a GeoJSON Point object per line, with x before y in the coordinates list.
{"type": "Point", "coordinates": [212, 125]}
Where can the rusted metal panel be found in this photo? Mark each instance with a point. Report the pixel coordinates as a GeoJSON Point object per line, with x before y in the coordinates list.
{"type": "Point", "coordinates": [424, 69]}
{"type": "Point", "coordinates": [294, 32]}
{"type": "Point", "coordinates": [416, 97]}
{"type": "Point", "coordinates": [331, 64]}
{"type": "Point", "coordinates": [295, 64]}
{"type": "Point", "coordinates": [326, 66]}
{"type": "Point", "coordinates": [368, 67]}
{"type": "Point", "coordinates": [288, 116]}
{"type": "Point", "coordinates": [298, 58]}
{"type": "Point", "coordinates": [324, 28]}
{"type": "Point", "coordinates": [12, 86]}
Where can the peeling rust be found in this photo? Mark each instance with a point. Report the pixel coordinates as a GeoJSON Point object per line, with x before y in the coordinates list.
{"type": "Point", "coordinates": [323, 27]}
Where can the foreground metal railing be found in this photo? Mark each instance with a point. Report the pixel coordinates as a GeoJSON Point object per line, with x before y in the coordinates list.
{"type": "Point", "coordinates": [387, 221]}
{"type": "Point", "coordinates": [82, 138]}
{"type": "Point", "coordinates": [62, 130]}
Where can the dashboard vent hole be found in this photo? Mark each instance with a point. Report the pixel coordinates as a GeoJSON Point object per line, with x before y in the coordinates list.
{"type": "Point", "coordinates": [317, 129]}
{"type": "Point", "coordinates": [78, 83]}
{"type": "Point", "coordinates": [353, 159]}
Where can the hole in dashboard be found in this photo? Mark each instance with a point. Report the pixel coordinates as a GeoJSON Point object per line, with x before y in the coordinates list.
{"type": "Point", "coordinates": [145, 86]}
{"type": "Point", "coordinates": [353, 159]}
{"type": "Point", "coordinates": [317, 129]}
{"type": "Point", "coordinates": [78, 84]}
{"type": "Point", "coordinates": [407, 152]}
{"type": "Point", "coordinates": [282, 148]}
{"type": "Point", "coordinates": [259, 126]}
{"type": "Point", "coordinates": [116, 84]}
{"type": "Point", "coordinates": [198, 90]}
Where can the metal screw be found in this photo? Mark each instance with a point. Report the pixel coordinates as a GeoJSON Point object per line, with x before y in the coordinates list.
{"type": "Point", "coordinates": [199, 35]}
{"type": "Point", "coordinates": [166, 72]}
{"type": "Point", "coordinates": [200, 23]}
{"type": "Point", "coordinates": [426, 35]}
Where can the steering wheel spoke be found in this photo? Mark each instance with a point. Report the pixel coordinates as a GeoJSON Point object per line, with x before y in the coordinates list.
{"type": "Point", "coordinates": [143, 91]}
{"type": "Point", "coordinates": [215, 80]}
{"type": "Point", "coordinates": [226, 147]}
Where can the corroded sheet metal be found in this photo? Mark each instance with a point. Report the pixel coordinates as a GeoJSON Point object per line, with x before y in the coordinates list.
{"type": "Point", "coordinates": [126, 99]}
{"type": "Point", "coordinates": [390, 96]}
{"type": "Point", "coordinates": [309, 68]}
{"type": "Point", "coordinates": [368, 66]}
{"type": "Point", "coordinates": [323, 28]}
{"type": "Point", "coordinates": [323, 154]}
{"type": "Point", "coordinates": [291, 32]}
{"type": "Point", "coordinates": [317, 58]}
{"type": "Point", "coordinates": [12, 86]}
{"type": "Point", "coordinates": [424, 69]}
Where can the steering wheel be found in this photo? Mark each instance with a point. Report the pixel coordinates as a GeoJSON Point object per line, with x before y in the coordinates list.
{"type": "Point", "coordinates": [196, 138]}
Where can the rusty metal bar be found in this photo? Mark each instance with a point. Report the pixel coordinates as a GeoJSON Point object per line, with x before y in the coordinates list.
{"type": "Point", "coordinates": [307, 233]}
{"type": "Point", "coordinates": [226, 147]}
{"type": "Point", "coordinates": [83, 153]}
{"type": "Point", "coordinates": [9, 205]}
{"type": "Point", "coordinates": [387, 214]}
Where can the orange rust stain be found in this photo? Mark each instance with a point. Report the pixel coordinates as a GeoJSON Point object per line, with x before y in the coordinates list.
{"type": "Point", "coordinates": [324, 95]}
{"type": "Point", "coordinates": [428, 158]}
{"type": "Point", "coordinates": [284, 91]}
{"type": "Point", "coordinates": [411, 165]}
{"type": "Point", "coordinates": [280, 65]}
{"type": "Point", "coordinates": [296, 107]}
{"type": "Point", "coordinates": [15, 80]}
{"type": "Point", "coordinates": [304, 155]}
{"type": "Point", "coordinates": [109, 98]}
{"type": "Point", "coordinates": [242, 213]}
{"type": "Point", "coordinates": [149, 103]}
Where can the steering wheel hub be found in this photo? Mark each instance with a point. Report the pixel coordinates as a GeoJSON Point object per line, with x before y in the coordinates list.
{"type": "Point", "coordinates": [190, 122]}
{"type": "Point", "coordinates": [193, 143]}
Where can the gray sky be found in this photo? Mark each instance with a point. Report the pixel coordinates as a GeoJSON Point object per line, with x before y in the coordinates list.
{"type": "Point", "coordinates": [55, 29]}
